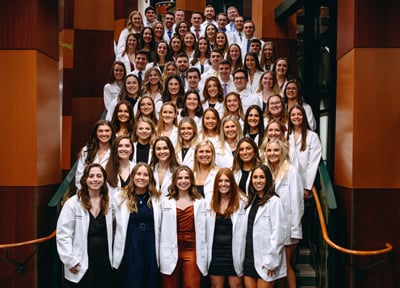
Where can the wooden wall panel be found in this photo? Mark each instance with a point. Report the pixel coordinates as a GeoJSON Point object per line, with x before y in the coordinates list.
{"type": "Point", "coordinates": [18, 111]}
{"type": "Point", "coordinates": [344, 140]}
{"type": "Point", "coordinates": [92, 15]}
{"type": "Point", "coordinates": [66, 12]}
{"type": "Point", "coordinates": [93, 56]}
{"type": "Point", "coordinates": [382, 24]}
{"type": "Point", "coordinates": [66, 59]}
{"type": "Point", "coordinates": [376, 117]}
{"type": "Point", "coordinates": [345, 27]}
{"type": "Point", "coordinates": [66, 78]}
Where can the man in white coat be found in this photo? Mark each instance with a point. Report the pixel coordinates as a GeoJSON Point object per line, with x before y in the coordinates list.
{"type": "Point", "coordinates": [240, 79]}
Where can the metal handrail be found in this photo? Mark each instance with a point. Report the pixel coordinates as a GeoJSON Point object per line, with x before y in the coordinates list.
{"type": "Point", "coordinates": [389, 247]}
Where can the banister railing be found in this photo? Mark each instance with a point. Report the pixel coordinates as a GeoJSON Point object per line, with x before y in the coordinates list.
{"type": "Point", "coordinates": [21, 265]}
{"type": "Point", "coordinates": [332, 203]}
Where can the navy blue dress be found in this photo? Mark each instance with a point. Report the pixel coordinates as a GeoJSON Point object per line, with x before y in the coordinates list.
{"type": "Point", "coordinates": [140, 264]}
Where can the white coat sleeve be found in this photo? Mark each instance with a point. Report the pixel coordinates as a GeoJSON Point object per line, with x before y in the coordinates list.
{"type": "Point", "coordinates": [315, 152]}
{"type": "Point", "coordinates": [80, 168]}
{"type": "Point", "coordinates": [297, 202]}
{"type": "Point", "coordinates": [65, 234]}
{"type": "Point", "coordinates": [122, 41]}
{"type": "Point", "coordinates": [272, 260]}
{"type": "Point", "coordinates": [108, 97]}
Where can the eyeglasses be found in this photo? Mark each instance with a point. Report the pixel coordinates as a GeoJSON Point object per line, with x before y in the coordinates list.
{"type": "Point", "coordinates": [239, 78]}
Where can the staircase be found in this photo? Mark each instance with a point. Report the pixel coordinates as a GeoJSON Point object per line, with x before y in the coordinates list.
{"type": "Point", "coordinates": [306, 275]}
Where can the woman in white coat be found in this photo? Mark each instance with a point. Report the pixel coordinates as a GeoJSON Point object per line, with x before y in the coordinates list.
{"type": "Point", "coordinates": [187, 140]}
{"type": "Point", "coordinates": [226, 231]}
{"type": "Point", "coordinates": [246, 158]}
{"type": "Point", "coordinates": [183, 246]}
{"type": "Point", "coordinates": [97, 149]}
{"type": "Point", "coordinates": [84, 232]}
{"type": "Point", "coordinates": [114, 84]}
{"type": "Point", "coordinates": [266, 230]}
{"type": "Point", "coordinates": [304, 147]}
{"type": "Point", "coordinates": [144, 136]}
{"type": "Point", "coordinates": [204, 168]}
{"type": "Point", "coordinates": [138, 216]}
{"type": "Point", "coordinates": [163, 163]}
{"type": "Point", "coordinates": [289, 187]}
{"type": "Point", "coordinates": [120, 164]}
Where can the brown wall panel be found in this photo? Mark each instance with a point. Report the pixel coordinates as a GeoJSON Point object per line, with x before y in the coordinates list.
{"type": "Point", "coordinates": [66, 142]}
{"type": "Point", "coordinates": [29, 25]}
{"type": "Point", "coordinates": [345, 27]}
{"type": "Point", "coordinates": [94, 15]}
{"type": "Point", "coordinates": [377, 23]}
{"type": "Point", "coordinates": [66, 78]}
{"type": "Point", "coordinates": [366, 220]}
{"type": "Point", "coordinates": [344, 140]}
{"type": "Point", "coordinates": [93, 56]}
{"type": "Point", "coordinates": [66, 12]}
{"type": "Point", "coordinates": [119, 25]}
{"type": "Point", "coordinates": [122, 8]}
{"type": "Point", "coordinates": [189, 5]}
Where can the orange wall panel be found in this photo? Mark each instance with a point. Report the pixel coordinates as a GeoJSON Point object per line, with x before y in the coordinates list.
{"type": "Point", "coordinates": [66, 142]}
{"type": "Point", "coordinates": [18, 144]}
{"type": "Point", "coordinates": [119, 25]}
{"type": "Point", "coordinates": [345, 27]}
{"type": "Point", "coordinates": [48, 114]}
{"type": "Point", "coordinates": [376, 118]}
{"type": "Point", "coordinates": [94, 15]}
{"type": "Point", "coordinates": [190, 5]}
{"type": "Point", "coordinates": [344, 121]}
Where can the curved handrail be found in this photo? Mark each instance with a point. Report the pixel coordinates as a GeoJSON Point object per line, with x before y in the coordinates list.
{"type": "Point", "coordinates": [35, 241]}
{"type": "Point", "coordinates": [325, 235]}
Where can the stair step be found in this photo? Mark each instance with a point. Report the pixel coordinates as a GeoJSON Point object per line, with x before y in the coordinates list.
{"type": "Point", "coordinates": [304, 256]}
{"type": "Point", "coordinates": [306, 275]}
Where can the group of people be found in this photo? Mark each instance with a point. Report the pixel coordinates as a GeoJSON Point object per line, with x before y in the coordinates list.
{"type": "Point", "coordinates": [201, 166]}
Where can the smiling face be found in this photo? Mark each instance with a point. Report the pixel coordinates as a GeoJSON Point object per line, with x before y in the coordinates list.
{"type": "Point", "coordinates": [183, 183]}
{"type": "Point", "coordinates": [259, 180]}
{"type": "Point", "coordinates": [192, 102]}
{"type": "Point", "coordinates": [212, 89]}
{"type": "Point", "coordinates": [183, 28]}
{"type": "Point", "coordinates": [210, 121]}
{"type": "Point", "coordinates": [146, 107]}
{"type": "Point", "coordinates": [232, 103]}
{"type": "Point", "coordinates": [267, 80]}
{"type": "Point", "coordinates": [292, 91]}
{"type": "Point", "coordinates": [234, 52]}
{"type": "Point", "coordinates": [253, 119]}
{"type": "Point", "coordinates": [246, 152]}
{"type": "Point", "coordinates": [189, 40]}
{"type": "Point", "coordinates": [176, 44]}
{"type": "Point", "coordinates": [186, 131]}
{"type": "Point", "coordinates": [131, 42]}
{"type": "Point", "coordinates": [203, 45]}
{"type": "Point", "coordinates": [250, 62]}
{"type": "Point", "coordinates": [210, 31]}
{"type": "Point", "coordinates": [296, 117]}
{"type": "Point", "coordinates": [124, 149]}
{"type": "Point", "coordinates": [275, 106]}
{"type": "Point", "coordinates": [132, 85]}
{"type": "Point", "coordinates": [118, 72]}
{"type": "Point", "coordinates": [168, 114]}
{"type": "Point", "coordinates": [173, 86]}
{"type": "Point", "coordinates": [154, 77]}
{"type": "Point", "coordinates": [230, 130]}
{"type": "Point", "coordinates": [162, 49]}
{"type": "Point", "coordinates": [273, 153]}
{"type": "Point", "coordinates": [103, 134]}
{"type": "Point", "coordinates": [268, 51]}
{"type": "Point", "coordinates": [141, 179]}
{"type": "Point", "coordinates": [162, 151]}
{"type": "Point", "coordinates": [274, 131]}
{"type": "Point", "coordinates": [159, 30]}
{"type": "Point", "coordinates": [143, 132]}
{"type": "Point", "coordinates": [281, 68]}
{"type": "Point", "coordinates": [221, 40]}
{"type": "Point", "coordinates": [147, 35]}
{"type": "Point", "coordinates": [123, 113]}
{"type": "Point", "coordinates": [224, 185]}
{"type": "Point", "coordinates": [95, 179]}
{"type": "Point", "coordinates": [204, 155]}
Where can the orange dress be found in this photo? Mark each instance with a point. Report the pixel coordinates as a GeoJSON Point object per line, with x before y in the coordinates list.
{"type": "Point", "coordinates": [186, 273]}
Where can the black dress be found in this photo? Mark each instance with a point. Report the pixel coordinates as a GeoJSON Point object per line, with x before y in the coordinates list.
{"type": "Point", "coordinates": [248, 267]}
{"type": "Point", "coordinates": [99, 273]}
{"type": "Point", "coordinates": [222, 261]}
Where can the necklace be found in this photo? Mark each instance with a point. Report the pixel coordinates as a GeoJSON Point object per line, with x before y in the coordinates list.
{"type": "Point", "coordinates": [141, 199]}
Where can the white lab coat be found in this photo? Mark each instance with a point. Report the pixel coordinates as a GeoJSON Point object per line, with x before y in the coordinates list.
{"type": "Point", "coordinates": [122, 220]}
{"type": "Point", "coordinates": [253, 86]}
{"type": "Point", "coordinates": [310, 116]}
{"type": "Point", "coordinates": [135, 151]}
{"type": "Point", "coordinates": [239, 228]}
{"type": "Point", "coordinates": [238, 176]}
{"type": "Point", "coordinates": [249, 98]}
{"type": "Point", "coordinates": [307, 161]}
{"type": "Point", "coordinates": [163, 188]}
{"type": "Point", "coordinates": [189, 157]}
{"type": "Point", "coordinates": [82, 165]}
{"type": "Point", "coordinates": [209, 183]}
{"type": "Point", "coordinates": [110, 94]}
{"type": "Point", "coordinates": [169, 238]}
{"type": "Point", "coordinates": [269, 233]}
{"type": "Point", "coordinates": [115, 190]}
{"type": "Point", "coordinates": [223, 156]}
{"type": "Point", "coordinates": [72, 237]}
{"type": "Point", "coordinates": [291, 192]}
{"type": "Point", "coordinates": [219, 106]}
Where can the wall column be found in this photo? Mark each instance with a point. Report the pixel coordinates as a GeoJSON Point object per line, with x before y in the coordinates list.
{"type": "Point", "coordinates": [367, 162]}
